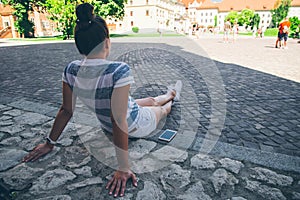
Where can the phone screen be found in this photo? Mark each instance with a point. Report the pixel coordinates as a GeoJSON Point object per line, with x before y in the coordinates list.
{"type": "Point", "coordinates": [167, 135]}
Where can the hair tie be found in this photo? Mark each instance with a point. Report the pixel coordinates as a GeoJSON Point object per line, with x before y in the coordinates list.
{"type": "Point", "coordinates": [90, 22]}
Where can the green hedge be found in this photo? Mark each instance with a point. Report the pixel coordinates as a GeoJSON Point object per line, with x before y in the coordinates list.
{"type": "Point", "coordinates": [135, 29]}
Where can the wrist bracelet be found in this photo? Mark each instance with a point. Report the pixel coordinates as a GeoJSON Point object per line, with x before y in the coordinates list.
{"type": "Point", "coordinates": [50, 141]}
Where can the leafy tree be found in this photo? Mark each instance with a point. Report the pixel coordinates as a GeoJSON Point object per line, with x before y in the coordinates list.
{"type": "Point", "coordinates": [21, 10]}
{"type": "Point", "coordinates": [216, 20]}
{"type": "Point", "coordinates": [245, 17]}
{"type": "Point", "coordinates": [63, 12]}
{"type": "Point", "coordinates": [232, 16]}
{"type": "Point", "coordinates": [254, 22]}
{"type": "Point", "coordinates": [280, 12]}
{"type": "Point", "coordinates": [294, 25]}
{"type": "Point", "coordinates": [112, 8]}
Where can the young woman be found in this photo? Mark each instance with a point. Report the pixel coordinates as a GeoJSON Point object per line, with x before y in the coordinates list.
{"type": "Point", "coordinates": [104, 87]}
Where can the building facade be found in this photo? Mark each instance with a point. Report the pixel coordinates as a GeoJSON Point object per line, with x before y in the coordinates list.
{"type": "Point", "coordinates": [42, 25]}
{"type": "Point", "coordinates": [153, 14]}
{"type": "Point", "coordinates": [157, 15]}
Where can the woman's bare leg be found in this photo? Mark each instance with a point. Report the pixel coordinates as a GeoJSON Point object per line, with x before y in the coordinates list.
{"type": "Point", "coordinates": [161, 111]}
{"type": "Point", "coordinates": [157, 101]}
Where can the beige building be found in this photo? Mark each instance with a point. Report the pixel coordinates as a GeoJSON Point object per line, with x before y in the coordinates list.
{"type": "Point", "coordinates": [204, 13]}
{"type": "Point", "coordinates": [153, 14]}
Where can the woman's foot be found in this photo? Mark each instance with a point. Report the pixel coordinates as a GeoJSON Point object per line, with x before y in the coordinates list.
{"type": "Point", "coordinates": [177, 89]}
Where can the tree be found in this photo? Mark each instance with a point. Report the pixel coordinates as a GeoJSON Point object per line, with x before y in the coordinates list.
{"type": "Point", "coordinates": [254, 22]}
{"type": "Point", "coordinates": [245, 17]}
{"type": "Point", "coordinates": [280, 12]}
{"type": "Point", "coordinates": [294, 25]}
{"type": "Point", "coordinates": [216, 20]}
{"type": "Point", "coordinates": [232, 16]}
{"type": "Point", "coordinates": [21, 10]}
{"type": "Point", "coordinates": [63, 12]}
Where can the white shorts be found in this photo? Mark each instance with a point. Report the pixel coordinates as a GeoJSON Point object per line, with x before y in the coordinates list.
{"type": "Point", "coordinates": [146, 123]}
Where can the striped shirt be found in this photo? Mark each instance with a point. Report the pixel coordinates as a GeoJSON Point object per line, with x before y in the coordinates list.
{"type": "Point", "coordinates": [93, 81]}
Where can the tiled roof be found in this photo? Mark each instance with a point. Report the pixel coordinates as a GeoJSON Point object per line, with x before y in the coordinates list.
{"type": "Point", "coordinates": [187, 2]}
{"type": "Point", "coordinates": [238, 5]}
{"type": "Point", "coordinates": [5, 10]}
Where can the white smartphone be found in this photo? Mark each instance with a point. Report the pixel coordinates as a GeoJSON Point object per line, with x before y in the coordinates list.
{"type": "Point", "coordinates": [167, 135]}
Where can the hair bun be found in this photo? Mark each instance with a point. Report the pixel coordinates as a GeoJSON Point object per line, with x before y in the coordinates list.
{"type": "Point", "coordinates": [84, 12]}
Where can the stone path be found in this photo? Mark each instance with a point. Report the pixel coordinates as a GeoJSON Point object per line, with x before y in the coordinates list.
{"type": "Point", "coordinates": [255, 156]}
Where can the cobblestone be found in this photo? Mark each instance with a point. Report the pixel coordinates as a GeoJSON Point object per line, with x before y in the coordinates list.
{"type": "Point", "coordinates": [256, 156]}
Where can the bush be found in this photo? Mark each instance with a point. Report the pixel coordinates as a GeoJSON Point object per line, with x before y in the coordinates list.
{"type": "Point", "coordinates": [135, 29]}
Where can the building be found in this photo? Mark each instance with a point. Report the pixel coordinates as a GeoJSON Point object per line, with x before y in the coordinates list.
{"type": "Point", "coordinates": [208, 13]}
{"type": "Point", "coordinates": [42, 25]}
{"type": "Point", "coordinates": [153, 14]}
{"type": "Point", "coordinates": [7, 29]}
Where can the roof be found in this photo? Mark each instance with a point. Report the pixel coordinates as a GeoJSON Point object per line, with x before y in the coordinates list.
{"type": "Point", "coordinates": [5, 9]}
{"type": "Point", "coordinates": [296, 3]}
{"type": "Point", "coordinates": [238, 5]}
{"type": "Point", "coordinates": [187, 2]}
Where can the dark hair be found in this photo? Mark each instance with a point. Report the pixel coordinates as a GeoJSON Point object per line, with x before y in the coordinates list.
{"type": "Point", "coordinates": [90, 30]}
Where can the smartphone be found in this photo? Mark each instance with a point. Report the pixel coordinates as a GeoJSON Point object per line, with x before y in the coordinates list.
{"type": "Point", "coordinates": [167, 135]}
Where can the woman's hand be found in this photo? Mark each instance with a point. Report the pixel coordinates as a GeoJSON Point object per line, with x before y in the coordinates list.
{"type": "Point", "coordinates": [118, 182]}
{"type": "Point", "coordinates": [38, 152]}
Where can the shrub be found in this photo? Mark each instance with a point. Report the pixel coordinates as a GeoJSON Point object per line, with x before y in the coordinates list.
{"type": "Point", "coordinates": [135, 29]}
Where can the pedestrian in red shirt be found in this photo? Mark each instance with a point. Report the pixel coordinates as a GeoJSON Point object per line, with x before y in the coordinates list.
{"type": "Point", "coordinates": [283, 33]}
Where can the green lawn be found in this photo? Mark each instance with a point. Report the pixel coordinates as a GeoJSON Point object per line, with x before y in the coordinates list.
{"type": "Point", "coordinates": [111, 35]}
{"type": "Point", "coordinates": [270, 32]}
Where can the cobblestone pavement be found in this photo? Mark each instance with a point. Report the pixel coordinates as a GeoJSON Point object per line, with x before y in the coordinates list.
{"type": "Point", "coordinates": [255, 156]}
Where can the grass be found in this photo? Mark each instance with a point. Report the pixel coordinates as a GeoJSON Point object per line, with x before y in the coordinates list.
{"type": "Point", "coordinates": [271, 32]}
{"type": "Point", "coordinates": [57, 38]}
{"type": "Point", "coordinates": [38, 39]}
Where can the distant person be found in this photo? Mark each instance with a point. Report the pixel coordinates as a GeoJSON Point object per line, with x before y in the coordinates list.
{"type": "Point", "coordinates": [235, 31]}
{"type": "Point", "coordinates": [263, 30]}
{"type": "Point", "coordinates": [227, 29]}
{"type": "Point", "coordinates": [283, 33]}
{"type": "Point", "coordinates": [254, 31]}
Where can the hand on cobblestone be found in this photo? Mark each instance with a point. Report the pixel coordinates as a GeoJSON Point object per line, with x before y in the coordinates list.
{"type": "Point", "coordinates": [39, 151]}
{"type": "Point", "coordinates": [118, 182]}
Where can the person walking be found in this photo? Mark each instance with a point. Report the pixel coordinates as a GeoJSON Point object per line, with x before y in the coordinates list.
{"type": "Point", "coordinates": [235, 31]}
{"type": "Point", "coordinates": [103, 86]}
{"type": "Point", "coordinates": [283, 33]}
{"type": "Point", "coordinates": [227, 29]}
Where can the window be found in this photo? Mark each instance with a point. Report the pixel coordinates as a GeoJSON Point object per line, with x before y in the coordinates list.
{"type": "Point", "coordinates": [6, 24]}
{"type": "Point", "coordinates": [210, 14]}
{"type": "Point", "coordinates": [147, 1]}
{"type": "Point", "coordinates": [201, 14]}
{"type": "Point", "coordinates": [131, 23]}
{"type": "Point", "coordinates": [206, 14]}
{"type": "Point", "coordinates": [131, 13]}
{"type": "Point", "coordinates": [262, 21]}
{"type": "Point", "coordinates": [131, 2]}
{"type": "Point", "coordinates": [32, 19]}
{"type": "Point", "coordinates": [147, 12]}
{"type": "Point", "coordinates": [268, 22]}
{"type": "Point", "coordinates": [263, 15]}
{"type": "Point", "coordinates": [210, 20]}
{"type": "Point", "coordinates": [205, 20]}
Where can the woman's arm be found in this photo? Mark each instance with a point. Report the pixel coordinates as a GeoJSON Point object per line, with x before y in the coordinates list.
{"type": "Point", "coordinates": [119, 104]}
{"type": "Point", "coordinates": [62, 118]}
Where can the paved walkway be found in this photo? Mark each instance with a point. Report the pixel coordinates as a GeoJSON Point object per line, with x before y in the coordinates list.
{"type": "Point", "coordinates": [238, 128]}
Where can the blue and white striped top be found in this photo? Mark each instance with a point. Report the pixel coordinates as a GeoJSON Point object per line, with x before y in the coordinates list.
{"type": "Point", "coordinates": [93, 81]}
